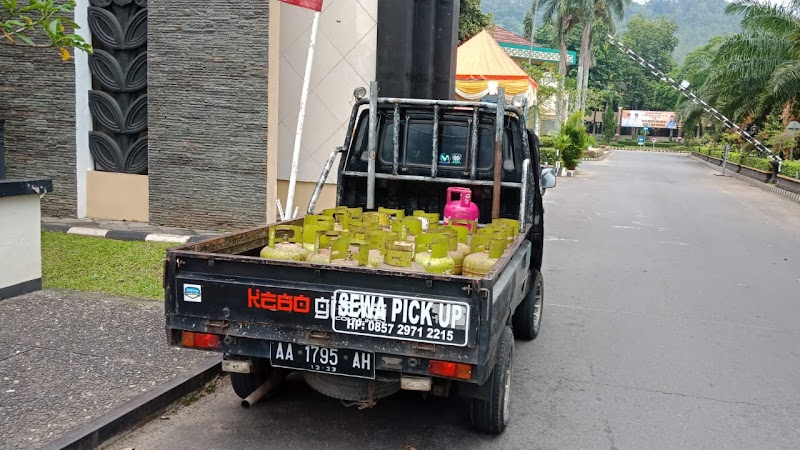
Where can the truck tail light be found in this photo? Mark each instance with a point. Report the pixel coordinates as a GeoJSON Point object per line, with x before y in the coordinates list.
{"type": "Point", "coordinates": [450, 369]}
{"type": "Point", "coordinates": [199, 340]}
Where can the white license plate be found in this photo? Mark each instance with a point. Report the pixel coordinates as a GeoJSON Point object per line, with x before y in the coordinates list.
{"type": "Point", "coordinates": [339, 361]}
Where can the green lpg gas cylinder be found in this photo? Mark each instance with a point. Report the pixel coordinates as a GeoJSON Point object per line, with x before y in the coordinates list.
{"type": "Point", "coordinates": [284, 244]}
{"type": "Point", "coordinates": [486, 251]}
{"type": "Point", "coordinates": [313, 223]}
{"type": "Point", "coordinates": [400, 257]}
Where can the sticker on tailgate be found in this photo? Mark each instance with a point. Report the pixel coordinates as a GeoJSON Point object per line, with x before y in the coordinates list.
{"type": "Point", "coordinates": [408, 318]}
{"type": "Point", "coordinates": [192, 293]}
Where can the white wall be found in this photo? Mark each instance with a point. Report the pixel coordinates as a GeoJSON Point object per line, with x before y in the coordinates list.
{"type": "Point", "coordinates": [83, 118]}
{"type": "Point", "coordinates": [343, 60]}
{"type": "Point", "coordinates": [20, 246]}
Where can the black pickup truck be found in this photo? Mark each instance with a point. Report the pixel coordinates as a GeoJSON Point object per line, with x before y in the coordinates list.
{"type": "Point", "coordinates": [360, 333]}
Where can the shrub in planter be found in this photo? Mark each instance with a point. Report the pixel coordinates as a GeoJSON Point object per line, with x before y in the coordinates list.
{"type": "Point", "coordinates": [572, 140]}
{"type": "Point", "coordinates": [791, 169]}
{"type": "Point", "coordinates": [757, 163]}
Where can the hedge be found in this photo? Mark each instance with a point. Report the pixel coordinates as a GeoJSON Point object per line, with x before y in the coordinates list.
{"type": "Point", "coordinates": [548, 156]}
{"type": "Point", "coordinates": [757, 163]}
{"type": "Point", "coordinates": [791, 169]}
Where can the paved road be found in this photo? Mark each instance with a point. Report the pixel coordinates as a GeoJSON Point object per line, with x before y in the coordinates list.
{"type": "Point", "coordinates": [671, 321]}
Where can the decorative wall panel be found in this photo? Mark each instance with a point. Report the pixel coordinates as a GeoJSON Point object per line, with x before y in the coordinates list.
{"type": "Point", "coordinates": [118, 100]}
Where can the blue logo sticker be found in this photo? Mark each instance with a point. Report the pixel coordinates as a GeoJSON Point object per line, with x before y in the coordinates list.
{"type": "Point", "coordinates": [444, 158]}
{"type": "Point", "coordinates": [456, 158]}
{"type": "Point", "coordinates": [192, 293]}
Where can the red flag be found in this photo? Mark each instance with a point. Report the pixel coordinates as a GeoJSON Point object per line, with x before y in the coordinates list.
{"type": "Point", "coordinates": [316, 5]}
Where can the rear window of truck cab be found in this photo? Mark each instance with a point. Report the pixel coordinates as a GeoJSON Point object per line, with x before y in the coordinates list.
{"type": "Point", "coordinates": [415, 155]}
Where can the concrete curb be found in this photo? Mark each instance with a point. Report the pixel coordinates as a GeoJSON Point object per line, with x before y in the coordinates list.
{"type": "Point", "coordinates": [651, 151]}
{"type": "Point", "coordinates": [763, 186]}
{"type": "Point", "coordinates": [597, 159]}
{"type": "Point", "coordinates": [123, 235]}
{"type": "Point", "coordinates": [130, 414]}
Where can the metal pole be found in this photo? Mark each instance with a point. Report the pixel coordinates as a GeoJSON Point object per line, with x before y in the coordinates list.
{"type": "Point", "coordinates": [372, 143]}
{"type": "Point", "coordinates": [321, 182]}
{"type": "Point", "coordinates": [523, 193]}
{"type": "Point", "coordinates": [396, 140]}
{"type": "Point", "coordinates": [298, 137]}
{"type": "Point", "coordinates": [473, 148]}
{"type": "Point", "coordinates": [435, 144]}
{"type": "Point", "coordinates": [725, 157]}
{"type": "Point", "coordinates": [498, 151]}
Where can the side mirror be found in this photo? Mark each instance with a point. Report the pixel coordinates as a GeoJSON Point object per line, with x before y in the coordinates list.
{"type": "Point", "coordinates": [548, 179]}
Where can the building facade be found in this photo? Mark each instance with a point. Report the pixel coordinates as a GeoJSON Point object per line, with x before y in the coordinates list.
{"type": "Point", "coordinates": [185, 119]}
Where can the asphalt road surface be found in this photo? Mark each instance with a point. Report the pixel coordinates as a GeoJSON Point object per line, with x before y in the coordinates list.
{"type": "Point", "coordinates": [671, 321]}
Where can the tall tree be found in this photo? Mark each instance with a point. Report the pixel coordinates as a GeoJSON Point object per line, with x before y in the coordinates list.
{"type": "Point", "coordinates": [561, 13]}
{"type": "Point", "coordinates": [759, 68]}
{"type": "Point", "coordinates": [652, 39]}
{"type": "Point", "coordinates": [696, 69]}
{"type": "Point", "coordinates": [596, 11]}
{"type": "Point", "coordinates": [471, 19]}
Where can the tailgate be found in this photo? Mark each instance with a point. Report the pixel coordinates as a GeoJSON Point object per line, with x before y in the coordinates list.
{"type": "Point", "coordinates": [362, 309]}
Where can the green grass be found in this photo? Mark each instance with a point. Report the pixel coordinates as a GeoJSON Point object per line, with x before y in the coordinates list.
{"type": "Point", "coordinates": [92, 264]}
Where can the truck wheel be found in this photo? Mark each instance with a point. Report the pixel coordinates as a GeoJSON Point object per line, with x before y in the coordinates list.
{"type": "Point", "coordinates": [491, 416]}
{"type": "Point", "coordinates": [245, 383]}
{"type": "Point", "coordinates": [527, 318]}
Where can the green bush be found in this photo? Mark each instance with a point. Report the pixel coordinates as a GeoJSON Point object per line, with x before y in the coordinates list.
{"type": "Point", "coordinates": [791, 169]}
{"type": "Point", "coordinates": [609, 124]}
{"type": "Point", "coordinates": [548, 156]}
{"type": "Point", "coordinates": [734, 157]}
{"type": "Point", "coordinates": [757, 163]}
{"type": "Point", "coordinates": [546, 141]}
{"type": "Point", "coordinates": [572, 140]}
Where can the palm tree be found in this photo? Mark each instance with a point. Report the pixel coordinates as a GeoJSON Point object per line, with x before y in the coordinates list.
{"type": "Point", "coordinates": [759, 67]}
{"type": "Point", "coordinates": [593, 12]}
{"type": "Point", "coordinates": [561, 13]}
{"type": "Point", "coordinates": [696, 69]}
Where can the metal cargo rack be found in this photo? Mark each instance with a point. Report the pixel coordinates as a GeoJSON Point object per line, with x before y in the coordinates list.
{"type": "Point", "coordinates": [500, 109]}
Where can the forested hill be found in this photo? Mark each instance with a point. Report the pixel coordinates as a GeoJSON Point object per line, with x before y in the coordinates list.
{"type": "Point", "coordinates": [698, 20]}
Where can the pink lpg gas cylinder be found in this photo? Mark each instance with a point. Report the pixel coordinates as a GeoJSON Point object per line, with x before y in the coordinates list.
{"type": "Point", "coordinates": [462, 208]}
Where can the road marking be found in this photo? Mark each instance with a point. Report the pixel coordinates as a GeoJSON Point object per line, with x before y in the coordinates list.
{"type": "Point", "coordinates": [674, 243]}
{"type": "Point", "coordinates": [625, 227]}
{"type": "Point", "coordinates": [550, 239]}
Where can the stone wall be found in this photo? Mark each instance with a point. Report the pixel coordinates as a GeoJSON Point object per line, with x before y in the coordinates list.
{"type": "Point", "coordinates": [37, 100]}
{"type": "Point", "coordinates": [207, 90]}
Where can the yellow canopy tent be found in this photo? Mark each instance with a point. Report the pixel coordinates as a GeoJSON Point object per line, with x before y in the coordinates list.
{"type": "Point", "coordinates": [482, 61]}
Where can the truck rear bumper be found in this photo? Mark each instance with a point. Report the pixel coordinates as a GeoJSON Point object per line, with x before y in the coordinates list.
{"type": "Point", "coordinates": [240, 351]}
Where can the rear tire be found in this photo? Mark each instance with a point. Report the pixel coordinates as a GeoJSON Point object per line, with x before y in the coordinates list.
{"type": "Point", "coordinates": [245, 383]}
{"type": "Point", "coordinates": [527, 318]}
{"type": "Point", "coordinates": [351, 389]}
{"type": "Point", "coordinates": [491, 416]}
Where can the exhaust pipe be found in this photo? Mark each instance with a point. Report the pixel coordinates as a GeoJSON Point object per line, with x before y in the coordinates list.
{"type": "Point", "coordinates": [266, 388]}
